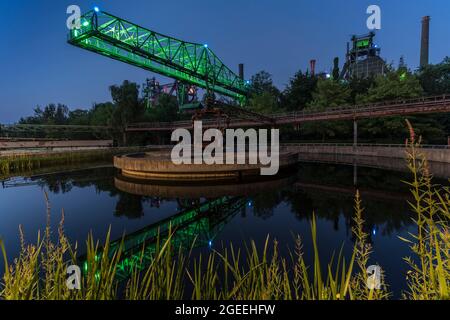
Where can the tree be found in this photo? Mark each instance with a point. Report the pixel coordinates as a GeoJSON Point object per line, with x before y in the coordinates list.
{"type": "Point", "coordinates": [61, 114]}
{"type": "Point", "coordinates": [299, 91]}
{"type": "Point", "coordinates": [396, 85]}
{"type": "Point", "coordinates": [265, 103]}
{"type": "Point", "coordinates": [359, 87]}
{"type": "Point", "coordinates": [128, 107]}
{"type": "Point", "coordinates": [51, 114]}
{"type": "Point", "coordinates": [79, 117]}
{"type": "Point", "coordinates": [101, 114]}
{"type": "Point", "coordinates": [329, 94]}
{"type": "Point", "coordinates": [35, 119]}
{"type": "Point", "coordinates": [336, 73]}
{"type": "Point", "coordinates": [264, 97]}
{"type": "Point", "coordinates": [435, 79]}
{"type": "Point", "coordinates": [48, 114]}
{"type": "Point", "coordinates": [165, 110]}
{"type": "Point", "coordinates": [262, 82]}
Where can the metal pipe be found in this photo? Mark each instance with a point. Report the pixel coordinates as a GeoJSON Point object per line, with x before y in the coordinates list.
{"type": "Point", "coordinates": [313, 67]}
{"type": "Point", "coordinates": [241, 71]}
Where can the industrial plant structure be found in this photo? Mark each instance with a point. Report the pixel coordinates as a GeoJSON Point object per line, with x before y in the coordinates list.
{"type": "Point", "coordinates": [363, 59]}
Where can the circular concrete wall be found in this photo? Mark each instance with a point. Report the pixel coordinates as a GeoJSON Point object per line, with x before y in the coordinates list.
{"type": "Point", "coordinates": [158, 165]}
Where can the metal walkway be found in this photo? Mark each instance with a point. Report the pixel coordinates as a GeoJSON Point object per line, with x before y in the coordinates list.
{"type": "Point", "coordinates": [424, 105]}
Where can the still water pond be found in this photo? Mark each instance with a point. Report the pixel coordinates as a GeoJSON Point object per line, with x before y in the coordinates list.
{"type": "Point", "coordinates": [97, 198]}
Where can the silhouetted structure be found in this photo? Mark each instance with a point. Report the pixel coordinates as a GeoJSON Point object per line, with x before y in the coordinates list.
{"type": "Point", "coordinates": [363, 59]}
{"type": "Point", "coordinates": [425, 41]}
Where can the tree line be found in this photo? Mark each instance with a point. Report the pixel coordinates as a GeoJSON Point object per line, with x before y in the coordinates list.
{"type": "Point", "coordinates": [309, 92]}
{"type": "Point", "coordinates": [303, 92]}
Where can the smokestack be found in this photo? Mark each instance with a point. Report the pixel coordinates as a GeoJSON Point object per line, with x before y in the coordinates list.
{"type": "Point", "coordinates": [425, 42]}
{"type": "Point", "coordinates": [241, 71]}
{"type": "Point", "coordinates": [313, 67]}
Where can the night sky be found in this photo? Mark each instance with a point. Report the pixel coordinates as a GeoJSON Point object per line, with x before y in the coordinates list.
{"type": "Point", "coordinates": [280, 36]}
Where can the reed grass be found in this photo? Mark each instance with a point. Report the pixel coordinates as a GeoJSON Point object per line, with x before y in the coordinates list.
{"type": "Point", "coordinates": [429, 274]}
{"type": "Point", "coordinates": [251, 272]}
{"type": "Point", "coordinates": [27, 163]}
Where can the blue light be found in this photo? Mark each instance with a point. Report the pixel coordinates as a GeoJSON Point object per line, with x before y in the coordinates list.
{"type": "Point", "coordinates": [210, 243]}
{"type": "Point", "coordinates": [249, 204]}
{"type": "Point", "coordinates": [374, 231]}
{"type": "Point", "coordinates": [248, 81]}
{"type": "Point", "coordinates": [205, 45]}
{"type": "Point", "coordinates": [96, 9]}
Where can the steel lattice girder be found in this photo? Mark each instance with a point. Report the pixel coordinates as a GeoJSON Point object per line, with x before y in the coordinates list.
{"type": "Point", "coordinates": [194, 226]}
{"type": "Point", "coordinates": [33, 128]}
{"type": "Point", "coordinates": [189, 62]}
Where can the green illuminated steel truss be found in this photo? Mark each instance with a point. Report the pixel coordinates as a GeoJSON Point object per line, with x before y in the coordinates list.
{"type": "Point", "coordinates": [187, 62]}
{"type": "Point", "coordinates": [197, 226]}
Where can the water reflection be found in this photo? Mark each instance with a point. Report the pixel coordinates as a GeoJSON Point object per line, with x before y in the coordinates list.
{"type": "Point", "coordinates": [196, 227]}
{"type": "Point", "coordinates": [324, 189]}
{"type": "Point", "coordinates": [328, 194]}
{"type": "Point", "coordinates": [211, 213]}
{"type": "Point", "coordinates": [204, 209]}
{"type": "Point", "coordinates": [208, 189]}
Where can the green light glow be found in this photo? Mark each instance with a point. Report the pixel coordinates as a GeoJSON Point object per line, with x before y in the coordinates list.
{"type": "Point", "coordinates": [362, 43]}
{"type": "Point", "coordinates": [185, 61]}
{"type": "Point", "coordinates": [197, 226]}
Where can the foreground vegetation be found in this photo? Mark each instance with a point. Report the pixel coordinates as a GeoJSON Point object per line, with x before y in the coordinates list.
{"type": "Point", "coordinates": [39, 272]}
{"type": "Point", "coordinates": [21, 164]}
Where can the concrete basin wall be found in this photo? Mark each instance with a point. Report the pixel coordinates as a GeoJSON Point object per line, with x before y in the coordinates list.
{"type": "Point", "coordinates": [160, 166]}
{"type": "Point", "coordinates": [432, 154]}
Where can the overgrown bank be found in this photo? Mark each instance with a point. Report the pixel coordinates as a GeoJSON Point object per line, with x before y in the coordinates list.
{"type": "Point", "coordinates": [22, 164]}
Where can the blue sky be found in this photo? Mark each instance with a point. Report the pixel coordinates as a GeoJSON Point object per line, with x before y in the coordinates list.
{"type": "Point", "coordinates": [280, 36]}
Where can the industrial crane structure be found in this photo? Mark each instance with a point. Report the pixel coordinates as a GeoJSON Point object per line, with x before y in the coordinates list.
{"type": "Point", "coordinates": [189, 64]}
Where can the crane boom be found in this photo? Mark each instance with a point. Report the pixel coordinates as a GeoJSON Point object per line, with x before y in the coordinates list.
{"type": "Point", "coordinates": [187, 62]}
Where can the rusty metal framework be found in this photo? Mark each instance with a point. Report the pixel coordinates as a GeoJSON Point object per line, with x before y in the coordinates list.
{"type": "Point", "coordinates": [424, 105]}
